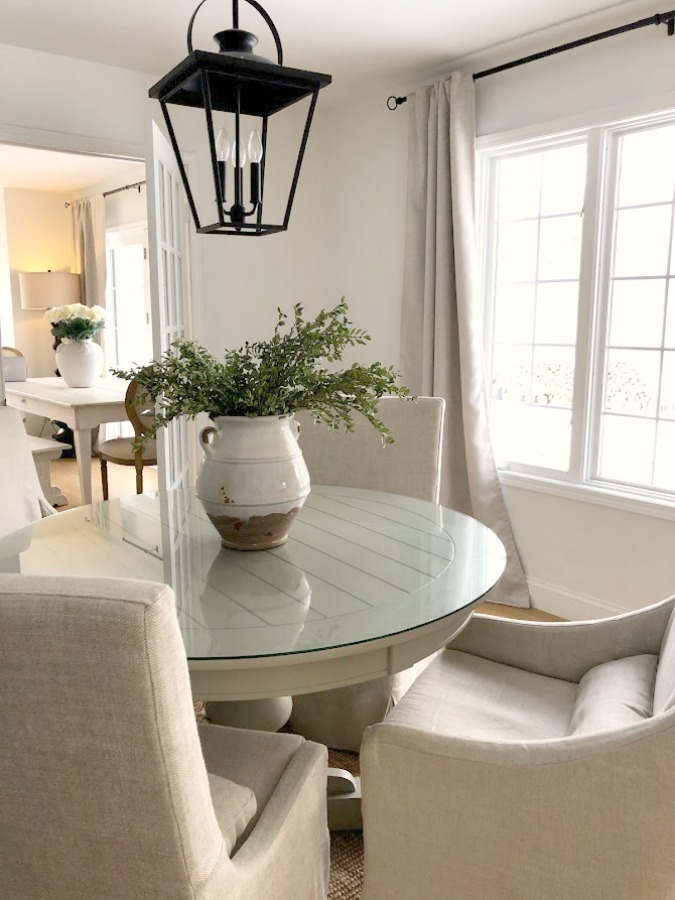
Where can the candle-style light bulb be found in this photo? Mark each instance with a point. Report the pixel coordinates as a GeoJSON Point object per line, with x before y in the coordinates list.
{"type": "Point", "coordinates": [255, 152]}
{"type": "Point", "coordinates": [222, 153]}
{"type": "Point", "coordinates": [222, 146]}
{"type": "Point", "coordinates": [242, 153]}
{"type": "Point", "coordinates": [255, 147]}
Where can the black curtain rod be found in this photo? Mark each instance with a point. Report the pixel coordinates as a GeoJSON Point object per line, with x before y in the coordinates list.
{"type": "Point", "coordinates": [127, 187]}
{"type": "Point", "coordinates": [667, 18]}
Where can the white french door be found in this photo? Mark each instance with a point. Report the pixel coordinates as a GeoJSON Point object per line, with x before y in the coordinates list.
{"type": "Point", "coordinates": [170, 296]}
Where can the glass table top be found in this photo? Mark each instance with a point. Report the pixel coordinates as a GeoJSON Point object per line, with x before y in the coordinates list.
{"type": "Point", "coordinates": [358, 565]}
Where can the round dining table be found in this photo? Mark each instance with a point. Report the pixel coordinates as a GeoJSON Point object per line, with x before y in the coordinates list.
{"type": "Point", "coordinates": [367, 584]}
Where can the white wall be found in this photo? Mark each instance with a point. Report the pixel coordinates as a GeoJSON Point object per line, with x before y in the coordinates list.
{"type": "Point", "coordinates": [39, 238]}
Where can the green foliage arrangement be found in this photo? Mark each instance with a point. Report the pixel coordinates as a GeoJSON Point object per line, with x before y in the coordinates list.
{"type": "Point", "coordinates": [274, 377]}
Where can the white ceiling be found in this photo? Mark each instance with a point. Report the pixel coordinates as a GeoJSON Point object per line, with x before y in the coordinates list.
{"type": "Point", "coordinates": [47, 170]}
{"type": "Point", "coordinates": [349, 39]}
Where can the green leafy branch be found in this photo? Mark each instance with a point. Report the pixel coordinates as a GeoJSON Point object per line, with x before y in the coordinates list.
{"type": "Point", "coordinates": [273, 377]}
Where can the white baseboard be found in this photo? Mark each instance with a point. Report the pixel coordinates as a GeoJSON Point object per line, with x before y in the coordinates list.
{"type": "Point", "coordinates": [558, 601]}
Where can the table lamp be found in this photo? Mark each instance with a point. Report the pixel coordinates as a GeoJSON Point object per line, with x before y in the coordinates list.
{"type": "Point", "coordinates": [42, 290]}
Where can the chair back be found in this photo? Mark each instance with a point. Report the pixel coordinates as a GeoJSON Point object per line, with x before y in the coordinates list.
{"type": "Point", "coordinates": [20, 490]}
{"type": "Point", "coordinates": [103, 789]}
{"type": "Point", "coordinates": [410, 466]}
{"type": "Point", "coordinates": [140, 407]}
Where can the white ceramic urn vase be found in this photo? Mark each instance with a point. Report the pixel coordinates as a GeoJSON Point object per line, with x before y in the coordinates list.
{"type": "Point", "coordinates": [253, 480]}
{"type": "Point", "coordinates": [80, 363]}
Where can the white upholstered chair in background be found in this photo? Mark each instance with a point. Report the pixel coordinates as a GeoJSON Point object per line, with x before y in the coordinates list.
{"type": "Point", "coordinates": [106, 792]}
{"type": "Point", "coordinates": [410, 466]}
{"type": "Point", "coordinates": [529, 761]}
{"type": "Point", "coordinates": [22, 498]}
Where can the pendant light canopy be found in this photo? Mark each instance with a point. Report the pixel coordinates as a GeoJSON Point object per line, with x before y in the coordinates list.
{"type": "Point", "coordinates": [229, 85]}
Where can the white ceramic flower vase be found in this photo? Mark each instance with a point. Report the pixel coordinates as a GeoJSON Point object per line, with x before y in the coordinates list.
{"type": "Point", "coordinates": [253, 480]}
{"type": "Point", "coordinates": [80, 363]}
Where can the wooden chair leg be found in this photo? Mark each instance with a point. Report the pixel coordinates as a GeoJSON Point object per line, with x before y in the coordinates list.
{"type": "Point", "coordinates": [139, 479]}
{"type": "Point", "coordinates": [104, 478]}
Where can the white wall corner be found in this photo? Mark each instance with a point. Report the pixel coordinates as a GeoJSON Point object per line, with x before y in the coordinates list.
{"type": "Point", "coordinates": [6, 310]}
{"type": "Point", "coordinates": [559, 601]}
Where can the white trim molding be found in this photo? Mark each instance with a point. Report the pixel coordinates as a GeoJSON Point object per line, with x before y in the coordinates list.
{"type": "Point", "coordinates": [559, 601]}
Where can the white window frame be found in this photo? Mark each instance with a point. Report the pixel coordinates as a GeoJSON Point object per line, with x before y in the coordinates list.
{"type": "Point", "coordinates": [601, 136]}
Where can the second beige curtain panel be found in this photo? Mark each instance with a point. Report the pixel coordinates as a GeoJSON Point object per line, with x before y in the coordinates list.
{"type": "Point", "coordinates": [441, 326]}
{"type": "Point", "coordinates": [89, 236]}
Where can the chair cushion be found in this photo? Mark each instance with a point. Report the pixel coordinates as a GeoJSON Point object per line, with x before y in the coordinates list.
{"type": "Point", "coordinates": [122, 449]}
{"type": "Point", "coordinates": [469, 697]}
{"type": "Point", "coordinates": [664, 688]}
{"type": "Point", "coordinates": [615, 694]}
{"type": "Point", "coordinates": [253, 759]}
{"type": "Point", "coordinates": [234, 806]}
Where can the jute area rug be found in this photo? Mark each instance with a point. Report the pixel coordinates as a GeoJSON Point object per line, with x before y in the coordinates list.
{"type": "Point", "coordinates": [346, 847]}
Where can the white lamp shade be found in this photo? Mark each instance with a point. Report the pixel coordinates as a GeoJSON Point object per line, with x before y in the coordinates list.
{"type": "Point", "coordinates": [42, 290]}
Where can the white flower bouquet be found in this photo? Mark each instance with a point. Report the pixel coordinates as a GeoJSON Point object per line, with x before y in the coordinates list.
{"type": "Point", "coordinates": [76, 321]}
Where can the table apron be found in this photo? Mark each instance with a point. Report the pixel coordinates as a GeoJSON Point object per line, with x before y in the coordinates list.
{"type": "Point", "coordinates": [304, 673]}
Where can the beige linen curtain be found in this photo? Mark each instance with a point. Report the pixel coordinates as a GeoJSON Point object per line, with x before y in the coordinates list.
{"type": "Point", "coordinates": [441, 323]}
{"type": "Point", "coordinates": [90, 257]}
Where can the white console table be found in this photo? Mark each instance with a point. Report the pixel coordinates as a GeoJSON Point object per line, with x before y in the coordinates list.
{"type": "Point", "coordinates": [80, 408]}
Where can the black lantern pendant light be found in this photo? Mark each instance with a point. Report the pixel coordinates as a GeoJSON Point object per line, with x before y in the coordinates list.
{"type": "Point", "coordinates": [235, 80]}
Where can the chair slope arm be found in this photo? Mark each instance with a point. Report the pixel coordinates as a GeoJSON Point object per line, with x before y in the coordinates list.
{"type": "Point", "coordinates": [565, 650]}
{"type": "Point", "coordinates": [577, 748]}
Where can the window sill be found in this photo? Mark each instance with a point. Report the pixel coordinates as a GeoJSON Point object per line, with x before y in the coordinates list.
{"type": "Point", "coordinates": [656, 507]}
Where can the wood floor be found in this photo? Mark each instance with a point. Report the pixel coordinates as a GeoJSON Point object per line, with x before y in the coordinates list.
{"type": "Point", "coordinates": [122, 480]}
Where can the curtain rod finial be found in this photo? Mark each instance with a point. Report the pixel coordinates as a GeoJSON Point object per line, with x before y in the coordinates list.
{"type": "Point", "coordinates": [397, 101]}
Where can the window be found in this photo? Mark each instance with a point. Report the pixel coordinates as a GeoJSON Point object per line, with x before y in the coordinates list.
{"type": "Point", "coordinates": [579, 275]}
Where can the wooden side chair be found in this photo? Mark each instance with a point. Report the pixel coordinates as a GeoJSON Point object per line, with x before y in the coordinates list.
{"type": "Point", "coordinates": [140, 409]}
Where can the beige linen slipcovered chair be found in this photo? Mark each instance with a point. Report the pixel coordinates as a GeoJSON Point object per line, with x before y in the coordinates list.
{"type": "Point", "coordinates": [410, 466]}
{"type": "Point", "coordinates": [529, 761]}
{"type": "Point", "coordinates": [140, 410]}
{"type": "Point", "coordinates": [23, 500]}
{"type": "Point", "coordinates": [107, 792]}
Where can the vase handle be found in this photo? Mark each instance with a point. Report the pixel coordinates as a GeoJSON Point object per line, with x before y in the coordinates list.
{"type": "Point", "coordinates": [205, 439]}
